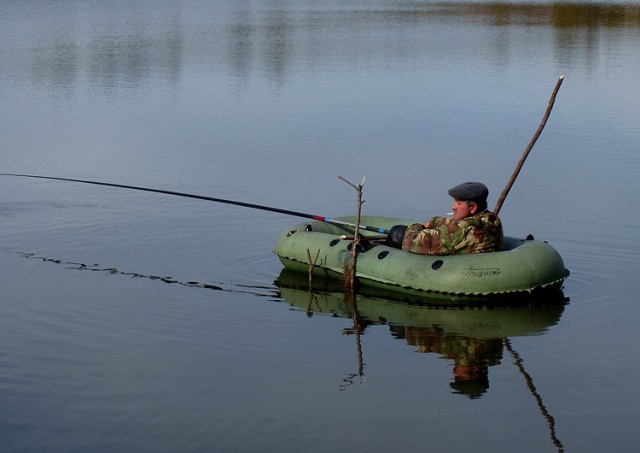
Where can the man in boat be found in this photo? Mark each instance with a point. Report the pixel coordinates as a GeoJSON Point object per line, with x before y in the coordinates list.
{"type": "Point", "coordinates": [472, 229]}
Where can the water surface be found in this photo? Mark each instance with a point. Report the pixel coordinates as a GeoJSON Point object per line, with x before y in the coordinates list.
{"type": "Point", "coordinates": [140, 322]}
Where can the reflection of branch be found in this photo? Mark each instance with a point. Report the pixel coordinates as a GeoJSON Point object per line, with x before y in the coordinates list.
{"type": "Point", "coordinates": [359, 343]}
{"type": "Point", "coordinates": [348, 381]}
{"type": "Point", "coordinates": [357, 329]}
{"type": "Point", "coordinates": [349, 299]}
{"type": "Point", "coordinates": [312, 299]}
{"type": "Point", "coordinates": [534, 392]}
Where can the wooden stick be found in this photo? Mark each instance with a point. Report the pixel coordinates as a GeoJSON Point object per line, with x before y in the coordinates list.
{"type": "Point", "coordinates": [312, 266]}
{"type": "Point", "coordinates": [350, 269]}
{"type": "Point", "coordinates": [528, 150]}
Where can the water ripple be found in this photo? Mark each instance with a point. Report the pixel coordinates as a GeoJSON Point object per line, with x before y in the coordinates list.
{"type": "Point", "coordinates": [599, 262]}
{"type": "Point", "coordinates": [259, 290]}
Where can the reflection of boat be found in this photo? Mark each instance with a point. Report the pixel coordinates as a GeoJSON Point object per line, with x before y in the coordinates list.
{"type": "Point", "coordinates": [472, 338]}
{"type": "Point", "coordinates": [526, 266]}
{"type": "Point", "coordinates": [479, 323]}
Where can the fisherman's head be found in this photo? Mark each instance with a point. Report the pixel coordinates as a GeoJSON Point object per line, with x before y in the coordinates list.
{"type": "Point", "coordinates": [468, 198]}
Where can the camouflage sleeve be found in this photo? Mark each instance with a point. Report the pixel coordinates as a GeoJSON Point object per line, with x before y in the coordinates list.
{"type": "Point", "coordinates": [414, 239]}
{"type": "Point", "coordinates": [441, 239]}
{"type": "Point", "coordinates": [445, 236]}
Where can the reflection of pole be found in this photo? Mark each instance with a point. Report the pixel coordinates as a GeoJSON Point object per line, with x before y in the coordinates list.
{"type": "Point", "coordinates": [534, 392]}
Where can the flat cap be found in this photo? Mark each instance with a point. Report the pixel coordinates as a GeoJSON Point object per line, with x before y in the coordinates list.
{"type": "Point", "coordinates": [470, 191]}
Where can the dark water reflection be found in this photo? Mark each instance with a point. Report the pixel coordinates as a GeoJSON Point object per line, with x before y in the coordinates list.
{"type": "Point", "coordinates": [554, 14]}
{"type": "Point", "coordinates": [112, 57]}
{"type": "Point", "coordinates": [472, 339]}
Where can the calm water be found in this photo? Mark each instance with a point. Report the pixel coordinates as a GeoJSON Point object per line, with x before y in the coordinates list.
{"type": "Point", "coordinates": [140, 322]}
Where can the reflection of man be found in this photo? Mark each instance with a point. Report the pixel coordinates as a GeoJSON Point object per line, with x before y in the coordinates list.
{"type": "Point", "coordinates": [470, 380]}
{"type": "Point", "coordinates": [472, 357]}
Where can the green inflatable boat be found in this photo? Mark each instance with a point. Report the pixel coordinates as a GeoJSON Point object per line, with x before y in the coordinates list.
{"type": "Point", "coordinates": [500, 323]}
{"type": "Point", "coordinates": [525, 267]}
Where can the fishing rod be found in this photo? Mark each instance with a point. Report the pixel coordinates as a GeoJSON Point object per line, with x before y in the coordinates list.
{"type": "Point", "coordinates": [216, 200]}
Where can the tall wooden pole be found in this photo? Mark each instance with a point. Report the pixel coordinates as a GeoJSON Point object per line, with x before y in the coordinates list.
{"type": "Point", "coordinates": [506, 190]}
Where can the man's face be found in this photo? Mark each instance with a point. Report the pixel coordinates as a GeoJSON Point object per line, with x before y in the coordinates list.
{"type": "Point", "coordinates": [462, 209]}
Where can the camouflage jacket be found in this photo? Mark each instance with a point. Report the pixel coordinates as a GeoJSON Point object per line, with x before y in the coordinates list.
{"type": "Point", "coordinates": [479, 233]}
